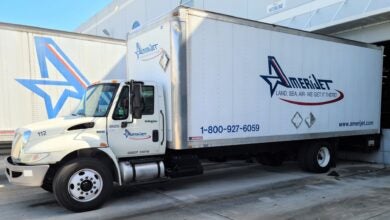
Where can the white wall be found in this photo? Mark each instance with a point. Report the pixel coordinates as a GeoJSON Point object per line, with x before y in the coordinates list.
{"type": "Point", "coordinates": [120, 16]}
{"type": "Point", "coordinates": [369, 34]}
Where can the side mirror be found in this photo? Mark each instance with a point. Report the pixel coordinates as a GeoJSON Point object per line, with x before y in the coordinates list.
{"type": "Point", "coordinates": [137, 104]}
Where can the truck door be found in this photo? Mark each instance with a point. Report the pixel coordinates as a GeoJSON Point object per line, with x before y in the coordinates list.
{"type": "Point", "coordinates": [130, 137]}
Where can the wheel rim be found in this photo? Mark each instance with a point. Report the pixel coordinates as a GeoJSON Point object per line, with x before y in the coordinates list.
{"type": "Point", "coordinates": [85, 185]}
{"type": "Point", "coordinates": [323, 157]}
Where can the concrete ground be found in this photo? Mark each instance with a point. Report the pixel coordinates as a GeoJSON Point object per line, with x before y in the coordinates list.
{"type": "Point", "coordinates": [232, 190]}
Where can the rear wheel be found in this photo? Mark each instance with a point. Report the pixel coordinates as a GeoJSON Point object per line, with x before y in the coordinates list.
{"type": "Point", "coordinates": [82, 184]}
{"type": "Point", "coordinates": [317, 157]}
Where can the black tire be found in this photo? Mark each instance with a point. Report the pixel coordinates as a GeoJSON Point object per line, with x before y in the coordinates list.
{"type": "Point", "coordinates": [270, 159]}
{"type": "Point", "coordinates": [317, 157]}
{"type": "Point", "coordinates": [63, 186]}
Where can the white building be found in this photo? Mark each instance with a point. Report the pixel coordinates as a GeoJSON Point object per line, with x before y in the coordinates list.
{"type": "Point", "coordinates": [361, 20]}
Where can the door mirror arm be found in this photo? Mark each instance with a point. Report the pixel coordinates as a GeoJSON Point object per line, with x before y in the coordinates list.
{"type": "Point", "coordinates": [125, 123]}
{"type": "Point", "coordinates": [136, 102]}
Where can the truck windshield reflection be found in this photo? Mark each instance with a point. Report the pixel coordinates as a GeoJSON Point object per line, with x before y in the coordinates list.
{"type": "Point", "coordinates": [97, 100]}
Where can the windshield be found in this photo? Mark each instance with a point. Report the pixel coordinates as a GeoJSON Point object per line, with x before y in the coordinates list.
{"type": "Point", "coordinates": [97, 100]}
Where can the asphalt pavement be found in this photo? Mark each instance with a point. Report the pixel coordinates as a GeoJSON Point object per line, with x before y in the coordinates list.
{"type": "Point", "coordinates": [231, 190]}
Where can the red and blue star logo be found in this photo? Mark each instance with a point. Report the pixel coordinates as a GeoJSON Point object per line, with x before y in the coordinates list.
{"type": "Point", "coordinates": [74, 83]}
{"type": "Point", "coordinates": [275, 80]}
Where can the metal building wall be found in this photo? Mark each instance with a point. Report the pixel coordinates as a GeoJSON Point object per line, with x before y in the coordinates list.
{"type": "Point", "coordinates": [326, 16]}
{"type": "Point", "coordinates": [123, 16]}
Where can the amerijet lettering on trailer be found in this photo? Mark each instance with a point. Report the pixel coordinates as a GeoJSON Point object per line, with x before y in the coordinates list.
{"type": "Point", "coordinates": [300, 91]}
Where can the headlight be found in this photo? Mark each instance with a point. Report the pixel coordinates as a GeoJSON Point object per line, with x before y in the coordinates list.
{"type": "Point", "coordinates": [31, 158]}
{"type": "Point", "coordinates": [17, 145]}
{"type": "Point", "coordinates": [26, 136]}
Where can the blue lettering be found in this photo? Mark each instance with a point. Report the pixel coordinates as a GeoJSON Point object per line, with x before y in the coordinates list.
{"type": "Point", "coordinates": [141, 51]}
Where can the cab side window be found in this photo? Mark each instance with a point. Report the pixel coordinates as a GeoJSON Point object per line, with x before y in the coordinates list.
{"type": "Point", "coordinates": [121, 111]}
{"type": "Point", "coordinates": [148, 99]}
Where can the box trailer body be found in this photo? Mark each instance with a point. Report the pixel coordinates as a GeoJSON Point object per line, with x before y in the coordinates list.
{"type": "Point", "coordinates": [43, 73]}
{"type": "Point", "coordinates": [230, 81]}
{"type": "Point", "coordinates": [202, 85]}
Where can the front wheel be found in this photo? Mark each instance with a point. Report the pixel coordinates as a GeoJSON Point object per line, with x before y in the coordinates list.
{"type": "Point", "coordinates": [317, 157]}
{"type": "Point", "coordinates": [82, 184]}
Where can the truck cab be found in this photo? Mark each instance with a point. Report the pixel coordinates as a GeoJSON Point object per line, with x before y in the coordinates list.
{"type": "Point", "coordinates": [135, 123]}
{"type": "Point", "coordinates": [78, 157]}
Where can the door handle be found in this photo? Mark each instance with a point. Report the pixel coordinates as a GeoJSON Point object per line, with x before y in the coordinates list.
{"type": "Point", "coordinates": [155, 135]}
{"type": "Point", "coordinates": [163, 127]}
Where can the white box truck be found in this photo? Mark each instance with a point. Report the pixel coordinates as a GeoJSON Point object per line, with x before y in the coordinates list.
{"type": "Point", "coordinates": [44, 73]}
{"type": "Point", "coordinates": [205, 85]}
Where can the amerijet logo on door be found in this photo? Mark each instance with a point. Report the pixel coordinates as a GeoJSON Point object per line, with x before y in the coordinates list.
{"type": "Point", "coordinates": [73, 84]}
{"type": "Point", "coordinates": [136, 135]}
{"type": "Point", "coordinates": [308, 91]}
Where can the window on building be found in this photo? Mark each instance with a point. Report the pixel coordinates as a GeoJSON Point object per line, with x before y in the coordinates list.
{"type": "Point", "coordinates": [135, 25]}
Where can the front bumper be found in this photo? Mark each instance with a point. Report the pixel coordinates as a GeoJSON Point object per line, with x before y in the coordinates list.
{"type": "Point", "coordinates": [25, 175]}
